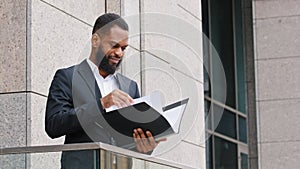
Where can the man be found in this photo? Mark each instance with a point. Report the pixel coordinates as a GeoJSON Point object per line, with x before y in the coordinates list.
{"type": "Point", "coordinates": [80, 94]}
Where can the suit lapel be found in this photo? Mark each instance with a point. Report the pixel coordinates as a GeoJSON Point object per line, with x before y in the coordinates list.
{"type": "Point", "coordinates": [87, 75]}
{"type": "Point", "coordinates": [124, 83]}
{"type": "Point", "coordinates": [121, 83]}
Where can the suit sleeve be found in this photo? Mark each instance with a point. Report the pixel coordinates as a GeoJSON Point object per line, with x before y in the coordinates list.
{"type": "Point", "coordinates": [61, 117]}
{"type": "Point", "coordinates": [137, 92]}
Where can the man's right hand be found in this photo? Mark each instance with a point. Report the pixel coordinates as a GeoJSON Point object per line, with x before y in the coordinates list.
{"type": "Point", "coordinates": [117, 98]}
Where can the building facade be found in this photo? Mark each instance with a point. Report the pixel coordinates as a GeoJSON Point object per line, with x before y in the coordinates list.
{"type": "Point", "coordinates": [236, 60]}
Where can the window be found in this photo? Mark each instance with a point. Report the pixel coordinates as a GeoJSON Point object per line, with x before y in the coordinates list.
{"type": "Point", "coordinates": [226, 145]}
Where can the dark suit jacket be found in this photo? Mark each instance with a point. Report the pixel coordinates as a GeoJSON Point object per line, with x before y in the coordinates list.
{"type": "Point", "coordinates": [74, 110]}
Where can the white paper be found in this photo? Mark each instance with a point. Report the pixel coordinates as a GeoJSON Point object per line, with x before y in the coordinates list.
{"type": "Point", "coordinates": [174, 116]}
{"type": "Point", "coordinates": [153, 100]}
{"type": "Point", "coordinates": [111, 108]}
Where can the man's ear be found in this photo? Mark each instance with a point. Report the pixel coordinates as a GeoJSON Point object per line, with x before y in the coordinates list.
{"type": "Point", "coordinates": [95, 40]}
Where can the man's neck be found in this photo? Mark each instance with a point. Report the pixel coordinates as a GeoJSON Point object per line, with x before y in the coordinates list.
{"type": "Point", "coordinates": [93, 60]}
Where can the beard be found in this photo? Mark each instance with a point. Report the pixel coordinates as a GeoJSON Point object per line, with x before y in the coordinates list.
{"type": "Point", "coordinates": [103, 62]}
{"type": "Point", "coordinates": [106, 67]}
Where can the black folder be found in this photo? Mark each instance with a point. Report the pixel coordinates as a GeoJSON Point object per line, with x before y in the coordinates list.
{"type": "Point", "coordinates": [140, 115]}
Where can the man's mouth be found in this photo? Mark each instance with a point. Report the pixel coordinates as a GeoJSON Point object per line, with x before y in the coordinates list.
{"type": "Point", "coordinates": [114, 60]}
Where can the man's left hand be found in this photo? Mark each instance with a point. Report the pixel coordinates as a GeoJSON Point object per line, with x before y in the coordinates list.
{"type": "Point", "coordinates": [145, 142]}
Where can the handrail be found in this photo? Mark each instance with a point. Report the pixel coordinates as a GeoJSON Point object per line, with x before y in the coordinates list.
{"type": "Point", "coordinates": [91, 146]}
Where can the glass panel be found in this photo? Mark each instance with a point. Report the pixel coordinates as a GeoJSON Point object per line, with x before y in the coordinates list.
{"type": "Point", "coordinates": [206, 48]}
{"type": "Point", "coordinates": [242, 129]}
{"type": "Point", "coordinates": [222, 39]}
{"type": "Point", "coordinates": [244, 161]}
{"type": "Point", "coordinates": [116, 161]}
{"type": "Point", "coordinates": [209, 155]}
{"type": "Point", "coordinates": [227, 123]}
{"type": "Point", "coordinates": [154, 166]}
{"type": "Point", "coordinates": [207, 83]}
{"type": "Point", "coordinates": [240, 58]}
{"type": "Point", "coordinates": [223, 24]}
{"type": "Point", "coordinates": [71, 159]}
{"type": "Point", "coordinates": [207, 114]}
{"type": "Point", "coordinates": [205, 14]}
{"type": "Point", "coordinates": [225, 154]}
{"type": "Point", "coordinates": [87, 159]}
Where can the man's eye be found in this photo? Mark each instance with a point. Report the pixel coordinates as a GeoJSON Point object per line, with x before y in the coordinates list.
{"type": "Point", "coordinates": [113, 45]}
{"type": "Point", "coordinates": [123, 48]}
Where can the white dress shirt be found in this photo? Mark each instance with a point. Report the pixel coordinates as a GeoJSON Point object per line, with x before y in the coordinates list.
{"type": "Point", "coordinates": [106, 85]}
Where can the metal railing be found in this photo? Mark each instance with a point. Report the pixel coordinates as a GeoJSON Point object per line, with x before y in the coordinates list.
{"type": "Point", "coordinates": [110, 155]}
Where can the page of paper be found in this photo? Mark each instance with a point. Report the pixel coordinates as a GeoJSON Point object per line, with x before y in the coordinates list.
{"type": "Point", "coordinates": [174, 116]}
{"type": "Point", "coordinates": [153, 100]}
{"type": "Point", "coordinates": [111, 108]}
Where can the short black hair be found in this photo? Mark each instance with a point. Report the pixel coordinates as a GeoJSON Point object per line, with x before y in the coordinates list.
{"type": "Point", "coordinates": [108, 20]}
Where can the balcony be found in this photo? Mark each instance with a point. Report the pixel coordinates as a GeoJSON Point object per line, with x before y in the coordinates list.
{"type": "Point", "coordinates": [109, 157]}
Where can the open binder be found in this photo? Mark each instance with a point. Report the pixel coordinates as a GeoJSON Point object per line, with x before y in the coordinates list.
{"type": "Point", "coordinates": [161, 121]}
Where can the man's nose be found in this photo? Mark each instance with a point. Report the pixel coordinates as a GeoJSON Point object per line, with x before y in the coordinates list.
{"type": "Point", "coordinates": [119, 52]}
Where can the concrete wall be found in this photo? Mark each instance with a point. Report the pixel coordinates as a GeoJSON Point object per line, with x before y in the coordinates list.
{"type": "Point", "coordinates": [59, 35]}
{"type": "Point", "coordinates": [37, 38]}
{"type": "Point", "coordinates": [277, 58]}
{"type": "Point", "coordinates": [13, 73]}
{"type": "Point", "coordinates": [169, 60]}
{"type": "Point", "coordinates": [13, 107]}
